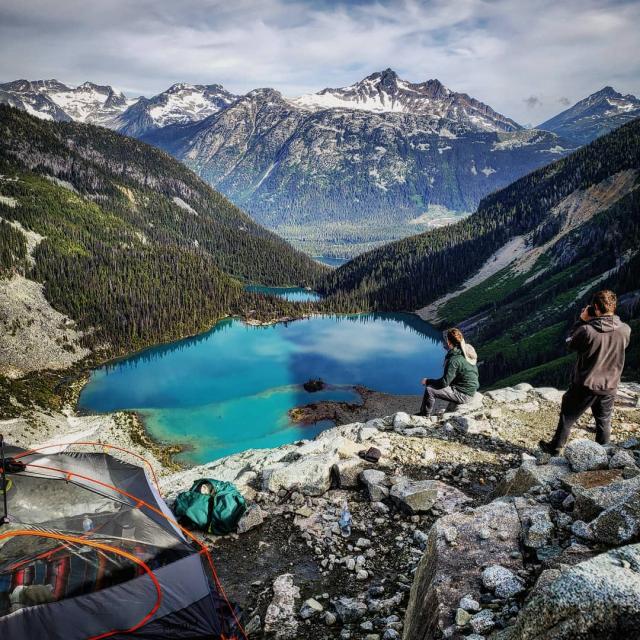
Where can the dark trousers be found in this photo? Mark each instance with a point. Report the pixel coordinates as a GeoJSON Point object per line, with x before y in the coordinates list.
{"type": "Point", "coordinates": [574, 403]}
{"type": "Point", "coordinates": [442, 399]}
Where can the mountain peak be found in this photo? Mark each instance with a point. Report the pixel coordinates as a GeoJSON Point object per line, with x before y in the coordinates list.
{"type": "Point", "coordinates": [384, 91]}
{"type": "Point", "coordinates": [594, 115]}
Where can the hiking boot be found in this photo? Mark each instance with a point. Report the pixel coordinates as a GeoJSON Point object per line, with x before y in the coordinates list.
{"type": "Point", "coordinates": [548, 448]}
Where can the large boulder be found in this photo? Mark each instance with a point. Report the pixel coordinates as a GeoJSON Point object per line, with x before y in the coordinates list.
{"type": "Point", "coordinates": [550, 394]}
{"type": "Point", "coordinates": [595, 600]}
{"type": "Point", "coordinates": [459, 547]}
{"type": "Point", "coordinates": [345, 473]}
{"type": "Point", "coordinates": [586, 455]}
{"type": "Point", "coordinates": [529, 474]}
{"type": "Point", "coordinates": [419, 496]}
{"type": "Point", "coordinates": [310, 475]}
{"type": "Point", "coordinates": [619, 524]}
{"type": "Point", "coordinates": [595, 495]}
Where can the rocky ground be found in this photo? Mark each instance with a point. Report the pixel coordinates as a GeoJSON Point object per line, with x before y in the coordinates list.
{"type": "Point", "coordinates": [458, 530]}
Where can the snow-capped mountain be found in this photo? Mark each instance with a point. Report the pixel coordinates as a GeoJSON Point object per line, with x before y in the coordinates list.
{"type": "Point", "coordinates": [594, 116]}
{"type": "Point", "coordinates": [306, 172]}
{"type": "Point", "coordinates": [53, 100]}
{"type": "Point", "coordinates": [179, 104]}
{"type": "Point", "coordinates": [384, 91]}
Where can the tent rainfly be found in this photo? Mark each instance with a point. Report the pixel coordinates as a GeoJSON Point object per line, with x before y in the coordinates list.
{"type": "Point", "coordinates": [89, 550]}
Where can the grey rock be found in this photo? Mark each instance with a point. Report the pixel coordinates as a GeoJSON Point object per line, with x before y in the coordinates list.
{"type": "Point", "coordinates": [280, 618]}
{"type": "Point", "coordinates": [502, 581]}
{"type": "Point", "coordinates": [539, 530]}
{"type": "Point", "coordinates": [591, 501]}
{"type": "Point", "coordinates": [595, 600]}
{"type": "Point", "coordinates": [419, 496]}
{"type": "Point", "coordinates": [549, 394]}
{"type": "Point", "coordinates": [390, 634]}
{"type": "Point", "coordinates": [375, 483]}
{"type": "Point", "coordinates": [507, 395]}
{"type": "Point", "coordinates": [472, 426]}
{"type": "Point", "coordinates": [252, 517]}
{"type": "Point", "coordinates": [446, 572]}
{"type": "Point", "coordinates": [346, 473]}
{"type": "Point", "coordinates": [619, 523]}
{"type": "Point", "coordinates": [310, 608]}
{"type": "Point", "coordinates": [483, 621]}
{"type": "Point", "coordinates": [529, 474]}
{"type": "Point", "coordinates": [349, 609]}
{"type": "Point", "coordinates": [586, 455]}
{"type": "Point", "coordinates": [469, 603]}
{"type": "Point", "coordinates": [311, 475]}
{"type": "Point", "coordinates": [621, 459]}
{"type": "Point", "coordinates": [330, 618]}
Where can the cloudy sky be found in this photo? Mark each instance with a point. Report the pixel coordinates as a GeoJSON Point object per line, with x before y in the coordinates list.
{"type": "Point", "coordinates": [526, 58]}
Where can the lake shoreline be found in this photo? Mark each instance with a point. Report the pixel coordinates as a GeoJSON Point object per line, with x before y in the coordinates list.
{"type": "Point", "coordinates": [374, 403]}
{"type": "Point", "coordinates": [335, 411]}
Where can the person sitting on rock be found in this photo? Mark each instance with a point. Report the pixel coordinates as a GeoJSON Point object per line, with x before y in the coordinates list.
{"type": "Point", "coordinates": [600, 338]}
{"type": "Point", "coordinates": [460, 379]}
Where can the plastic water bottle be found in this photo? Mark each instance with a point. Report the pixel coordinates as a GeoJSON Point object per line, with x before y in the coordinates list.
{"type": "Point", "coordinates": [87, 524]}
{"type": "Point", "coordinates": [345, 521]}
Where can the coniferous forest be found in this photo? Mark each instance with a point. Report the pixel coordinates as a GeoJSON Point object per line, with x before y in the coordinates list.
{"type": "Point", "coordinates": [134, 246]}
{"type": "Point", "coordinates": [519, 320]}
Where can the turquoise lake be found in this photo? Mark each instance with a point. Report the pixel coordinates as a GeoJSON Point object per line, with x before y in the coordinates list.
{"type": "Point", "coordinates": [294, 294]}
{"type": "Point", "coordinates": [230, 389]}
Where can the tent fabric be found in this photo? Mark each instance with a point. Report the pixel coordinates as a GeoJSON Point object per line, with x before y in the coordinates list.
{"type": "Point", "coordinates": [89, 533]}
{"type": "Point", "coordinates": [218, 513]}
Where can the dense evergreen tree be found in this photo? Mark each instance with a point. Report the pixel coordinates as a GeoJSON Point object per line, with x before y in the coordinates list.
{"type": "Point", "coordinates": [135, 246]}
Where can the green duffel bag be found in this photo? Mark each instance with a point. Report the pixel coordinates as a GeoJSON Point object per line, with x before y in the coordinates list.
{"type": "Point", "coordinates": [217, 511]}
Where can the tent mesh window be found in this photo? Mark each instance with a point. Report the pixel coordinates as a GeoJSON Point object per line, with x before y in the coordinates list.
{"type": "Point", "coordinates": [85, 531]}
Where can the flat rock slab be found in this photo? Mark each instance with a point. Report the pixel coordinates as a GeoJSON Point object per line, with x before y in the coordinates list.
{"type": "Point", "coordinates": [459, 547]}
{"type": "Point", "coordinates": [419, 496]}
{"type": "Point", "coordinates": [599, 598]}
{"type": "Point", "coordinates": [590, 502]}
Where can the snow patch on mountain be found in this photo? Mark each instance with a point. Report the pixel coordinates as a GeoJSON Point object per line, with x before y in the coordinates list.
{"type": "Point", "coordinates": [385, 92]}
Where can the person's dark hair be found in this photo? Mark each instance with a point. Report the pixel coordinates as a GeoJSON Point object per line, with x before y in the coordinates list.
{"type": "Point", "coordinates": [605, 301]}
{"type": "Point", "coordinates": [455, 337]}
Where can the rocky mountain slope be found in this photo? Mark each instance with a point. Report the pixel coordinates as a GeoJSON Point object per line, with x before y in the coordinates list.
{"type": "Point", "coordinates": [594, 116]}
{"type": "Point", "coordinates": [458, 532]}
{"type": "Point", "coordinates": [179, 104]}
{"type": "Point", "coordinates": [126, 245]}
{"type": "Point", "coordinates": [515, 273]}
{"type": "Point", "coordinates": [334, 168]}
{"type": "Point", "coordinates": [53, 100]}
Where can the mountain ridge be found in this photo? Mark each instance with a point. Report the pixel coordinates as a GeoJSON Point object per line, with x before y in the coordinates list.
{"type": "Point", "coordinates": [541, 245]}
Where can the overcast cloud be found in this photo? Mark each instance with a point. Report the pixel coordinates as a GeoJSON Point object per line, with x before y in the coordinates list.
{"type": "Point", "coordinates": [526, 58]}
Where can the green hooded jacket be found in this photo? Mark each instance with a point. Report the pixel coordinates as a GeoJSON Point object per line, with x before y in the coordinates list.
{"type": "Point", "coordinates": [460, 370]}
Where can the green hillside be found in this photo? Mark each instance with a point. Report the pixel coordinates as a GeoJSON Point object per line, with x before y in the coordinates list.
{"type": "Point", "coordinates": [577, 222]}
{"type": "Point", "coordinates": [135, 246]}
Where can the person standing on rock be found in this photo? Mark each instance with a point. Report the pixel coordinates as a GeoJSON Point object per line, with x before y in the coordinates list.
{"type": "Point", "coordinates": [460, 379]}
{"type": "Point", "coordinates": [600, 339]}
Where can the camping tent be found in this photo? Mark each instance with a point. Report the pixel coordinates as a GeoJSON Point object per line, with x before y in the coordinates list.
{"type": "Point", "coordinates": [90, 550]}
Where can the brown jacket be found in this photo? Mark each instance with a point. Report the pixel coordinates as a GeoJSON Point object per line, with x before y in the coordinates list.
{"type": "Point", "coordinates": [600, 344]}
